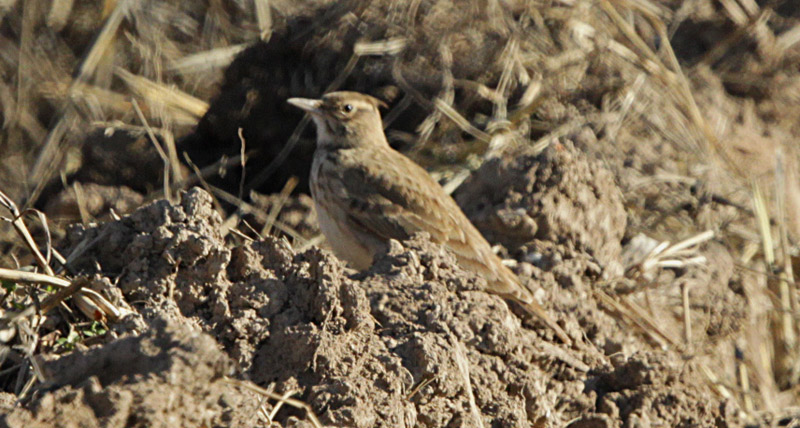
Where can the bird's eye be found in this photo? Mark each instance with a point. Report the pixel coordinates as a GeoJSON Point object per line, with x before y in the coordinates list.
{"type": "Point", "coordinates": [348, 108]}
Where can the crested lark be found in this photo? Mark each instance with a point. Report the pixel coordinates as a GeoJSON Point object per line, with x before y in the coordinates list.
{"type": "Point", "coordinates": [366, 193]}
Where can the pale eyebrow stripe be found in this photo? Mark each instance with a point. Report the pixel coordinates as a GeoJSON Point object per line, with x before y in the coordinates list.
{"type": "Point", "coordinates": [361, 104]}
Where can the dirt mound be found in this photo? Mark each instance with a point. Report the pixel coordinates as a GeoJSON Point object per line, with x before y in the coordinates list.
{"type": "Point", "coordinates": [170, 375]}
{"type": "Point", "coordinates": [92, 200]}
{"type": "Point", "coordinates": [401, 334]}
{"type": "Point", "coordinates": [557, 196]}
{"type": "Point", "coordinates": [411, 342]}
{"type": "Point", "coordinates": [639, 385]}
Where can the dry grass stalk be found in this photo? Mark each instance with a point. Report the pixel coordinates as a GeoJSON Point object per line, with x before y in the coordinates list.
{"type": "Point", "coordinates": [264, 18]}
{"type": "Point", "coordinates": [559, 353]}
{"type": "Point", "coordinates": [744, 384]}
{"type": "Point", "coordinates": [627, 310]}
{"type": "Point", "coordinates": [673, 77]}
{"type": "Point", "coordinates": [783, 319]}
{"type": "Point", "coordinates": [509, 58]}
{"type": "Point", "coordinates": [68, 289]}
{"type": "Point", "coordinates": [183, 107]}
{"type": "Point", "coordinates": [664, 255]}
{"type": "Point", "coordinates": [720, 49]}
{"type": "Point", "coordinates": [32, 278]}
{"type": "Point", "coordinates": [451, 113]}
{"type": "Point", "coordinates": [631, 95]}
{"type": "Point", "coordinates": [100, 304]}
{"type": "Point", "coordinates": [262, 176]}
{"type": "Point", "coordinates": [246, 208]}
{"type": "Point", "coordinates": [243, 162]}
{"type": "Point", "coordinates": [716, 385]}
{"type": "Point", "coordinates": [419, 387]}
{"type": "Point", "coordinates": [787, 288]}
{"type": "Point", "coordinates": [681, 254]}
{"type": "Point", "coordinates": [286, 395]}
{"type": "Point", "coordinates": [397, 110]}
{"type": "Point", "coordinates": [290, 401]}
{"type": "Point", "coordinates": [86, 93]}
{"type": "Point", "coordinates": [203, 62]}
{"type": "Point", "coordinates": [59, 13]}
{"type": "Point", "coordinates": [164, 158]}
{"type": "Point", "coordinates": [687, 316]}
{"type": "Point", "coordinates": [463, 368]}
{"type": "Point", "coordinates": [443, 103]}
{"type": "Point", "coordinates": [172, 150]}
{"type": "Point", "coordinates": [283, 197]}
{"type": "Point", "coordinates": [392, 46]}
{"type": "Point", "coordinates": [22, 230]}
{"type": "Point", "coordinates": [208, 188]}
{"type": "Point", "coordinates": [200, 174]}
{"type": "Point", "coordinates": [735, 12]}
{"type": "Point", "coordinates": [787, 41]}
{"type": "Point", "coordinates": [81, 201]}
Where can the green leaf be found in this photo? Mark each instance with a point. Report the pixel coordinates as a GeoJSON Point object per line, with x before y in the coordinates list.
{"type": "Point", "coordinates": [95, 329]}
{"type": "Point", "coordinates": [9, 286]}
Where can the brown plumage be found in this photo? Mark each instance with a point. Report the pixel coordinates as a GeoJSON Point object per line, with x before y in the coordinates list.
{"type": "Point", "coordinates": [367, 193]}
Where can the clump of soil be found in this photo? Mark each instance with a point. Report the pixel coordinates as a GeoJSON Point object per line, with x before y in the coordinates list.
{"type": "Point", "coordinates": [558, 196]}
{"type": "Point", "coordinates": [170, 375]}
{"type": "Point", "coordinates": [92, 200]}
{"type": "Point", "coordinates": [362, 345]}
{"type": "Point", "coordinates": [647, 381]}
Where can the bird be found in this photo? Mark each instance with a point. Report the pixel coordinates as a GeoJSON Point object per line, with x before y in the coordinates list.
{"type": "Point", "coordinates": [366, 193]}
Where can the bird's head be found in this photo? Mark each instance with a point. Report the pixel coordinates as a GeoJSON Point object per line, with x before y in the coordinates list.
{"type": "Point", "coordinates": [344, 119]}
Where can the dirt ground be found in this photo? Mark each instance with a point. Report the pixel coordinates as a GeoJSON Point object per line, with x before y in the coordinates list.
{"type": "Point", "coordinates": [582, 138]}
{"type": "Point", "coordinates": [411, 342]}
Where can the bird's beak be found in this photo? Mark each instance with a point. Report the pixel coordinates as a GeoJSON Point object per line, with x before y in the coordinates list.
{"type": "Point", "coordinates": [309, 105]}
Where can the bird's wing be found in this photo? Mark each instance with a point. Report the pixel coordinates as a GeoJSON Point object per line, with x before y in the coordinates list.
{"type": "Point", "coordinates": [351, 191]}
{"type": "Point", "coordinates": [392, 197]}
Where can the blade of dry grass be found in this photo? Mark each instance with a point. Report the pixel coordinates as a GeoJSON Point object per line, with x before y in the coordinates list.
{"type": "Point", "coordinates": [290, 401]}
{"type": "Point", "coordinates": [99, 303]}
{"type": "Point", "coordinates": [246, 208]}
{"type": "Point", "coordinates": [243, 163]}
{"type": "Point", "coordinates": [264, 18]}
{"type": "Point", "coordinates": [672, 77]}
{"type": "Point", "coordinates": [392, 46]}
{"type": "Point", "coordinates": [181, 103]}
{"type": "Point", "coordinates": [203, 62]}
{"type": "Point", "coordinates": [283, 196]}
{"type": "Point", "coordinates": [638, 317]}
{"type": "Point", "coordinates": [462, 363]}
{"type": "Point", "coordinates": [67, 289]}
{"type": "Point", "coordinates": [59, 14]}
{"type": "Point", "coordinates": [22, 230]}
{"type": "Point", "coordinates": [161, 153]}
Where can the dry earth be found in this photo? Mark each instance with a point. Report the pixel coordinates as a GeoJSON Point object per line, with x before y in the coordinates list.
{"type": "Point", "coordinates": [572, 134]}
{"type": "Point", "coordinates": [411, 342]}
